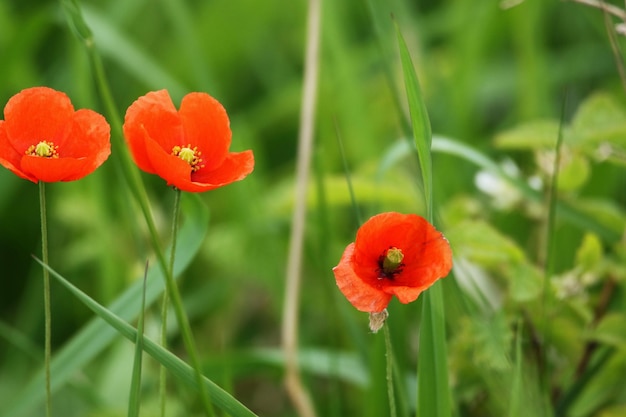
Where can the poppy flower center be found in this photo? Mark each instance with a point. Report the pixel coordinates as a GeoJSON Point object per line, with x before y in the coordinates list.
{"type": "Point", "coordinates": [189, 155]}
{"type": "Point", "coordinates": [43, 149]}
{"type": "Point", "coordinates": [390, 263]}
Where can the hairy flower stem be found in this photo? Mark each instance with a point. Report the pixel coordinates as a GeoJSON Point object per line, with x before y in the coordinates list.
{"type": "Point", "coordinates": [183, 321]}
{"type": "Point", "coordinates": [389, 357]}
{"type": "Point", "coordinates": [46, 294]}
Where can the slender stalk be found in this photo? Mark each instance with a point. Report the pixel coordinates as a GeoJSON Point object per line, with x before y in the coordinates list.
{"type": "Point", "coordinates": [72, 9]}
{"type": "Point", "coordinates": [139, 191]}
{"type": "Point", "coordinates": [293, 383]}
{"type": "Point", "coordinates": [46, 295]}
{"type": "Point", "coordinates": [183, 321]}
{"type": "Point", "coordinates": [163, 370]}
{"type": "Point", "coordinates": [389, 355]}
{"type": "Point", "coordinates": [134, 401]}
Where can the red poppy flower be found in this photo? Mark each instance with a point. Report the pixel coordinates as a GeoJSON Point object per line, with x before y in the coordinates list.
{"type": "Point", "coordinates": [43, 139]}
{"type": "Point", "coordinates": [188, 148]}
{"type": "Point", "coordinates": [394, 254]}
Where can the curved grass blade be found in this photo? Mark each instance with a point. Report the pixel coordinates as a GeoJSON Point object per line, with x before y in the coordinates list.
{"type": "Point", "coordinates": [422, 134]}
{"type": "Point", "coordinates": [134, 400]}
{"type": "Point", "coordinates": [176, 366]}
{"type": "Point", "coordinates": [433, 396]}
{"type": "Point", "coordinates": [97, 335]}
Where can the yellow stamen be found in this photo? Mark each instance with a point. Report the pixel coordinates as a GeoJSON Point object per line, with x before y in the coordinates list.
{"type": "Point", "coordinates": [189, 155]}
{"type": "Point", "coordinates": [43, 149]}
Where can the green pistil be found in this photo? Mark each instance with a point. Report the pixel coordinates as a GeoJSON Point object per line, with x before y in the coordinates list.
{"type": "Point", "coordinates": [392, 261]}
{"type": "Point", "coordinates": [189, 155]}
{"type": "Point", "coordinates": [43, 149]}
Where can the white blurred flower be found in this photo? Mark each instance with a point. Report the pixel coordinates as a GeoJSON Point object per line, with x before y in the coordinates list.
{"type": "Point", "coordinates": [503, 193]}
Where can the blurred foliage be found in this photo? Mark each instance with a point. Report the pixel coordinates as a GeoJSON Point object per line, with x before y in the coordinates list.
{"type": "Point", "coordinates": [494, 78]}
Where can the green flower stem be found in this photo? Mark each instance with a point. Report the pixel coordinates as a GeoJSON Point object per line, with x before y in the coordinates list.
{"type": "Point", "coordinates": [46, 294]}
{"type": "Point", "coordinates": [389, 356]}
{"type": "Point", "coordinates": [134, 180]}
{"type": "Point", "coordinates": [163, 370]}
{"type": "Point", "coordinates": [183, 322]}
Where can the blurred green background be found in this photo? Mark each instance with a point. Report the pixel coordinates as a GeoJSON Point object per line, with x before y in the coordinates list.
{"type": "Point", "coordinates": [494, 74]}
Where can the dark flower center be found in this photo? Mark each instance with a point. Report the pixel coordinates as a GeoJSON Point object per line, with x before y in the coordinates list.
{"type": "Point", "coordinates": [43, 149]}
{"type": "Point", "coordinates": [390, 263]}
{"type": "Point", "coordinates": [189, 155]}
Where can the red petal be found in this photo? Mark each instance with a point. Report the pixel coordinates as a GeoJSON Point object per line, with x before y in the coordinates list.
{"type": "Point", "coordinates": [206, 126]}
{"type": "Point", "coordinates": [360, 294]}
{"type": "Point", "coordinates": [405, 294]}
{"type": "Point", "coordinates": [9, 157]}
{"type": "Point", "coordinates": [36, 114]}
{"type": "Point", "coordinates": [155, 114]}
{"type": "Point", "coordinates": [167, 166]}
{"type": "Point", "coordinates": [235, 167]}
{"type": "Point", "coordinates": [53, 169]}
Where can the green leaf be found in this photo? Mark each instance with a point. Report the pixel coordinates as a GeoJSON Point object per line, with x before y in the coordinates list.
{"type": "Point", "coordinates": [600, 118]}
{"type": "Point", "coordinates": [525, 282]}
{"type": "Point", "coordinates": [573, 172]}
{"type": "Point", "coordinates": [611, 330]}
{"type": "Point", "coordinates": [590, 252]}
{"type": "Point", "coordinates": [420, 122]}
{"type": "Point", "coordinates": [175, 365]}
{"type": "Point", "coordinates": [534, 135]}
{"type": "Point", "coordinates": [492, 338]}
{"type": "Point", "coordinates": [97, 335]}
{"type": "Point", "coordinates": [434, 397]}
{"type": "Point", "coordinates": [483, 244]}
{"type": "Point", "coordinates": [587, 216]}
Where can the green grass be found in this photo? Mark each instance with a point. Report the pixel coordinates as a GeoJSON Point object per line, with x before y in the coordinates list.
{"type": "Point", "coordinates": [492, 83]}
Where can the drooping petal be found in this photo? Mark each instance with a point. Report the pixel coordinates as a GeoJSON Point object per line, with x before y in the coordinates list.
{"type": "Point", "coordinates": [155, 114]}
{"type": "Point", "coordinates": [36, 114]}
{"type": "Point", "coordinates": [206, 126]}
{"type": "Point", "coordinates": [9, 157]}
{"type": "Point", "coordinates": [359, 293]}
{"type": "Point", "coordinates": [235, 167]}
{"type": "Point", "coordinates": [404, 294]}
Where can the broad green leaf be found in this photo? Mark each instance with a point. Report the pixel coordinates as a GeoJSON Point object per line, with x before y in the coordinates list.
{"type": "Point", "coordinates": [600, 118]}
{"type": "Point", "coordinates": [175, 365]}
{"type": "Point", "coordinates": [97, 335]}
{"type": "Point", "coordinates": [611, 330]}
{"type": "Point", "coordinates": [588, 216]}
{"type": "Point", "coordinates": [492, 339]}
{"type": "Point", "coordinates": [573, 172]}
{"type": "Point", "coordinates": [604, 213]}
{"type": "Point", "coordinates": [525, 281]}
{"type": "Point", "coordinates": [590, 252]}
{"type": "Point", "coordinates": [483, 244]}
{"type": "Point", "coordinates": [529, 136]}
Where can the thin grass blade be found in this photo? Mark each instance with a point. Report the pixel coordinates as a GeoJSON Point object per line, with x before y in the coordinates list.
{"type": "Point", "coordinates": [97, 335]}
{"type": "Point", "coordinates": [420, 122]}
{"type": "Point", "coordinates": [433, 396]}
{"type": "Point", "coordinates": [134, 400]}
{"type": "Point", "coordinates": [175, 365]}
